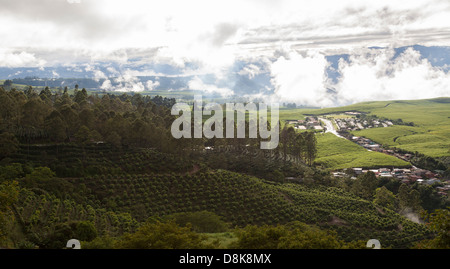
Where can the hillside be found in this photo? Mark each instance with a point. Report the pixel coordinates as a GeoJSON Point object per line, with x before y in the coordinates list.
{"type": "Point", "coordinates": [338, 153]}
{"type": "Point", "coordinates": [423, 126]}
{"type": "Point", "coordinates": [104, 168]}
{"type": "Point", "coordinates": [117, 204]}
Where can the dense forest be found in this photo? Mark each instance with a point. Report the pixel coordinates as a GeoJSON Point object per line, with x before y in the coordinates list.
{"type": "Point", "coordinates": [106, 170]}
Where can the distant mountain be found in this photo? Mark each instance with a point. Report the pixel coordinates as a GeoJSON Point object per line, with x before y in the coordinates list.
{"type": "Point", "coordinates": [239, 78]}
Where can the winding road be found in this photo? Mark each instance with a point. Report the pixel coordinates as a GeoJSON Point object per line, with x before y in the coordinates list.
{"type": "Point", "coordinates": [330, 127]}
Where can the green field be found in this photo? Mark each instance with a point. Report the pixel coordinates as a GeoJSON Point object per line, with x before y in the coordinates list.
{"type": "Point", "coordinates": [338, 153]}
{"type": "Point", "coordinates": [430, 134]}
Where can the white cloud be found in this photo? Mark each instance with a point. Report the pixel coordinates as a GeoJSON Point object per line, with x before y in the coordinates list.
{"type": "Point", "coordinates": [126, 82]}
{"type": "Point", "coordinates": [10, 58]}
{"type": "Point", "coordinates": [151, 85]}
{"type": "Point", "coordinates": [301, 79]}
{"type": "Point", "coordinates": [208, 37]}
{"type": "Point", "coordinates": [99, 75]}
{"type": "Point", "coordinates": [374, 75]}
{"type": "Point", "coordinates": [197, 84]}
{"type": "Point", "coordinates": [250, 71]}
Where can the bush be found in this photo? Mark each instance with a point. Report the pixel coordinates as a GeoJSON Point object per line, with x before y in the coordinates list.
{"type": "Point", "coordinates": [162, 235]}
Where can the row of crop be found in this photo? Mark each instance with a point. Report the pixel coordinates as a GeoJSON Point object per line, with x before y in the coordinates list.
{"type": "Point", "coordinates": [42, 213]}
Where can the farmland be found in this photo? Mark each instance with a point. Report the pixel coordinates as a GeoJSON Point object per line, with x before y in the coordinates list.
{"type": "Point", "coordinates": [426, 130]}
{"type": "Point", "coordinates": [117, 204]}
{"type": "Point", "coordinates": [338, 153]}
{"type": "Point", "coordinates": [105, 169]}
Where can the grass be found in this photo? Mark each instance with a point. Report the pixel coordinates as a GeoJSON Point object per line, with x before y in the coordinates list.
{"type": "Point", "coordinates": [430, 134]}
{"type": "Point", "coordinates": [338, 153]}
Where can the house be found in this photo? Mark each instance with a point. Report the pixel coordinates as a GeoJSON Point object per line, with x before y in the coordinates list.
{"type": "Point", "coordinates": [374, 146]}
{"type": "Point", "coordinates": [431, 181]}
{"type": "Point", "coordinates": [291, 121]}
{"type": "Point", "coordinates": [339, 174]}
{"type": "Point", "coordinates": [357, 170]}
{"type": "Point", "coordinates": [415, 178]}
{"type": "Point", "coordinates": [405, 181]}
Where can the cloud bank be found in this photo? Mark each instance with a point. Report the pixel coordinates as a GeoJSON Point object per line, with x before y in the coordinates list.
{"type": "Point", "coordinates": [200, 37]}
{"type": "Point", "coordinates": [367, 75]}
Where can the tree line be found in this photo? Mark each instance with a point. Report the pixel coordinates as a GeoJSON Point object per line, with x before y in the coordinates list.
{"type": "Point", "coordinates": [30, 117]}
{"type": "Point", "coordinates": [126, 121]}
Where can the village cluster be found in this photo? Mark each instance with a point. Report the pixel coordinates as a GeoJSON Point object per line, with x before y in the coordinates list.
{"type": "Point", "coordinates": [406, 175]}
{"type": "Point", "coordinates": [353, 124]}
{"type": "Point", "coordinates": [307, 124]}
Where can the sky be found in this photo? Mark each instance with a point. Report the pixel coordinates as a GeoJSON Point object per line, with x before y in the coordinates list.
{"type": "Point", "coordinates": [286, 40]}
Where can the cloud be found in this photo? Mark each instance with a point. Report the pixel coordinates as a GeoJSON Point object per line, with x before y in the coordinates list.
{"type": "Point", "coordinates": [250, 71]}
{"type": "Point", "coordinates": [202, 37]}
{"type": "Point", "coordinates": [301, 79]}
{"type": "Point", "coordinates": [222, 33]}
{"type": "Point", "coordinates": [125, 82]}
{"type": "Point", "coordinates": [151, 85]}
{"type": "Point", "coordinates": [197, 84]}
{"type": "Point", "coordinates": [107, 85]}
{"type": "Point", "coordinates": [375, 74]}
{"type": "Point", "coordinates": [10, 58]}
{"type": "Point", "coordinates": [55, 74]}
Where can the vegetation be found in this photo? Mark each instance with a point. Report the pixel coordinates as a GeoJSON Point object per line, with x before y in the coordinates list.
{"type": "Point", "coordinates": [107, 171]}
{"type": "Point", "coordinates": [338, 153]}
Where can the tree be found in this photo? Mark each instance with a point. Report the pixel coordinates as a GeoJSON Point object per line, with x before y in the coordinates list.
{"type": "Point", "coordinates": [408, 199]}
{"type": "Point", "coordinates": [45, 94]}
{"type": "Point", "coordinates": [34, 113]}
{"type": "Point", "coordinates": [385, 198]}
{"type": "Point", "coordinates": [83, 135]}
{"type": "Point", "coordinates": [11, 172]}
{"type": "Point", "coordinates": [9, 192]}
{"type": "Point", "coordinates": [293, 235]}
{"type": "Point", "coordinates": [80, 96]}
{"type": "Point", "coordinates": [85, 231]}
{"type": "Point", "coordinates": [39, 175]}
{"type": "Point", "coordinates": [311, 149]}
{"type": "Point", "coordinates": [71, 119]}
{"type": "Point", "coordinates": [365, 185]}
{"type": "Point", "coordinates": [7, 83]}
{"type": "Point", "coordinates": [161, 235]}
{"type": "Point", "coordinates": [55, 127]}
{"type": "Point", "coordinates": [438, 223]}
{"type": "Point", "coordinates": [287, 136]}
{"type": "Point", "coordinates": [8, 144]}
{"type": "Point", "coordinates": [202, 221]}
{"type": "Point", "coordinates": [114, 139]}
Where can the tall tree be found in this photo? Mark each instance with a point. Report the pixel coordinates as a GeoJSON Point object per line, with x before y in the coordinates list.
{"type": "Point", "coordinates": [8, 144]}
{"type": "Point", "coordinates": [385, 198]}
{"type": "Point", "coordinates": [9, 192]}
{"type": "Point", "coordinates": [311, 149]}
